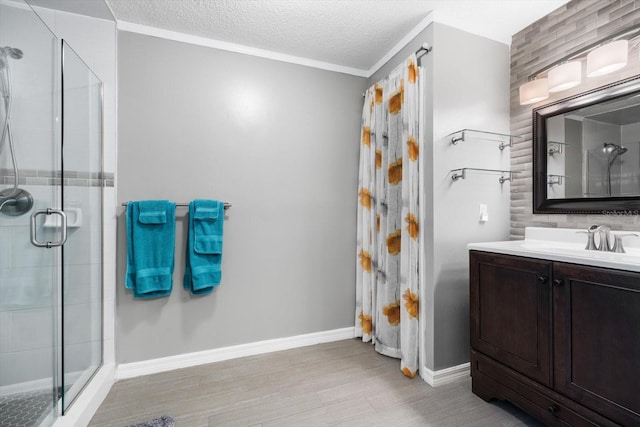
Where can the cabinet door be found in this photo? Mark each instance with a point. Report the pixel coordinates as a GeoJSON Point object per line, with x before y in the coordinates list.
{"type": "Point", "coordinates": [511, 312]}
{"type": "Point", "coordinates": [597, 339]}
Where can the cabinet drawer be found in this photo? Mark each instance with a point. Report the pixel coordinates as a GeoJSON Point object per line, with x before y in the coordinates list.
{"type": "Point", "coordinates": [495, 380]}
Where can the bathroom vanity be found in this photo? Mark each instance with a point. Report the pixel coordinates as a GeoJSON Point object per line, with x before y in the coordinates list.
{"type": "Point", "coordinates": [555, 329]}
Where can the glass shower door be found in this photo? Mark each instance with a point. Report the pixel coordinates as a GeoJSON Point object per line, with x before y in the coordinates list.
{"type": "Point", "coordinates": [82, 203]}
{"type": "Point", "coordinates": [50, 221]}
{"type": "Point", "coordinates": [30, 165]}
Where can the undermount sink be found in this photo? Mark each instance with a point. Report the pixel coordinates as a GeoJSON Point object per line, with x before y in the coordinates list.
{"type": "Point", "coordinates": [567, 245]}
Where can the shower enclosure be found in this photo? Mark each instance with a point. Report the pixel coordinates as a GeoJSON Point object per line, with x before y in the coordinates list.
{"type": "Point", "coordinates": [50, 251]}
{"type": "Point", "coordinates": [610, 171]}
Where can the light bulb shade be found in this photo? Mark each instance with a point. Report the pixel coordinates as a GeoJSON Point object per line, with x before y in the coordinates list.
{"type": "Point", "coordinates": [534, 91]}
{"type": "Point", "coordinates": [565, 76]}
{"type": "Point", "coordinates": [607, 58]}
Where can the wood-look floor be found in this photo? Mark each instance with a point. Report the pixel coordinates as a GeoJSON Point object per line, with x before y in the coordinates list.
{"type": "Point", "coordinates": [341, 383]}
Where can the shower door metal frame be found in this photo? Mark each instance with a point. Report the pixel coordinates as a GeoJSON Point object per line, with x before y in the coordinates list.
{"type": "Point", "coordinates": [63, 405]}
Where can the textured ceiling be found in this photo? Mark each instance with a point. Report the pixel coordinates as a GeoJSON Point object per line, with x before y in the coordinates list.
{"type": "Point", "coordinates": [351, 33]}
{"type": "Point", "coordinates": [338, 32]}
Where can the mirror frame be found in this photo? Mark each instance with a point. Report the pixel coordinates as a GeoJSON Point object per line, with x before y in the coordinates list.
{"type": "Point", "coordinates": [592, 205]}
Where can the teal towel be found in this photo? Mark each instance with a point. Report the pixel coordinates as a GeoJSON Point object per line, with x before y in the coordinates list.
{"type": "Point", "coordinates": [151, 230]}
{"type": "Point", "coordinates": [204, 246]}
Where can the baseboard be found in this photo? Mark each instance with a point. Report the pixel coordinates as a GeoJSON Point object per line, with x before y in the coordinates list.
{"type": "Point", "coordinates": [153, 366]}
{"type": "Point", "coordinates": [445, 376]}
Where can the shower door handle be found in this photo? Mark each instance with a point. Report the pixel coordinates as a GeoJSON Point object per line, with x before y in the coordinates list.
{"type": "Point", "coordinates": [63, 229]}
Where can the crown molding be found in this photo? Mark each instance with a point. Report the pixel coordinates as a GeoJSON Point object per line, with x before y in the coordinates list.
{"type": "Point", "coordinates": [237, 48]}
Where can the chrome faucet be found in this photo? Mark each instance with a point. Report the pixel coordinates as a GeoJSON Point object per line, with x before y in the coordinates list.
{"type": "Point", "coordinates": [617, 245]}
{"type": "Point", "coordinates": [591, 243]}
{"type": "Point", "coordinates": [604, 231]}
{"type": "Point", "coordinates": [604, 235]}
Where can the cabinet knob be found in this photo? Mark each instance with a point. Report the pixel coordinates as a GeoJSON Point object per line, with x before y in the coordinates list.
{"type": "Point", "coordinates": [558, 282]}
{"type": "Point", "coordinates": [553, 409]}
{"type": "Point", "coordinates": [542, 279]}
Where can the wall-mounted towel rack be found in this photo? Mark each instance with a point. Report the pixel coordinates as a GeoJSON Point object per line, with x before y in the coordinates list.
{"type": "Point", "coordinates": [227, 205]}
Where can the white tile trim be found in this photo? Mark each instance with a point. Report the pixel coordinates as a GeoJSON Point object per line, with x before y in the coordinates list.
{"type": "Point", "coordinates": [153, 366]}
{"type": "Point", "coordinates": [238, 48]}
{"type": "Point", "coordinates": [445, 376]}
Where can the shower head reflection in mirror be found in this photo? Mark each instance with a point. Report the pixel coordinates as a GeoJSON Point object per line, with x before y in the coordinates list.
{"type": "Point", "coordinates": [612, 151]}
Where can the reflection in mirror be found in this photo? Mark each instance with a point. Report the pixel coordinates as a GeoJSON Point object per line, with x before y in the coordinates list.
{"type": "Point", "coordinates": [595, 151]}
{"type": "Point", "coordinates": [587, 151]}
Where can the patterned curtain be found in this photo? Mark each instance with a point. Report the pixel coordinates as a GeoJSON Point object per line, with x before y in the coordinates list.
{"type": "Point", "coordinates": [387, 285]}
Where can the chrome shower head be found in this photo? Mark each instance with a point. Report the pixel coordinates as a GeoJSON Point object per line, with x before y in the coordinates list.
{"type": "Point", "coordinates": [9, 52]}
{"type": "Point", "coordinates": [614, 148]}
{"type": "Point", "coordinates": [613, 151]}
{"type": "Point", "coordinates": [13, 52]}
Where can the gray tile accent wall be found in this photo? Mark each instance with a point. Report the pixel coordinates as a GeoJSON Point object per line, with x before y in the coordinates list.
{"type": "Point", "coordinates": [571, 27]}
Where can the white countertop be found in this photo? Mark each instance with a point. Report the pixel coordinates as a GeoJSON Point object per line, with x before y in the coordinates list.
{"type": "Point", "coordinates": [566, 245]}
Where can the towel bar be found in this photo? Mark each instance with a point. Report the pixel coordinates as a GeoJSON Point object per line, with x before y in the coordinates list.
{"type": "Point", "coordinates": [227, 205]}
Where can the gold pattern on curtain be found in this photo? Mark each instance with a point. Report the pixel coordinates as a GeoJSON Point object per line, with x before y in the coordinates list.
{"type": "Point", "coordinates": [387, 284]}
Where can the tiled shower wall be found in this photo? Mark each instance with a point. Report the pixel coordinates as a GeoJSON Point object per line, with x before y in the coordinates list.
{"type": "Point", "coordinates": [573, 26]}
{"type": "Point", "coordinates": [26, 309]}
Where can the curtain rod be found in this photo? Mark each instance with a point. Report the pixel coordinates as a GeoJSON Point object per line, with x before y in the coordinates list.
{"type": "Point", "coordinates": [422, 50]}
{"type": "Point", "coordinates": [227, 205]}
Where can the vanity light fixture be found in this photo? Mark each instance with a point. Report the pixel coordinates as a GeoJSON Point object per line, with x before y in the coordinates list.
{"type": "Point", "coordinates": [608, 58]}
{"type": "Point", "coordinates": [602, 57]}
{"type": "Point", "coordinates": [565, 76]}
{"type": "Point", "coordinates": [534, 91]}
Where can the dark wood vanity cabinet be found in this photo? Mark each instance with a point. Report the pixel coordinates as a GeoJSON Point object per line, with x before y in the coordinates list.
{"type": "Point", "coordinates": [597, 339]}
{"type": "Point", "coordinates": [511, 312]}
{"type": "Point", "coordinates": [562, 341]}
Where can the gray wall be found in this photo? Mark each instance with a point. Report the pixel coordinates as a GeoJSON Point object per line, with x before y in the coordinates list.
{"type": "Point", "coordinates": [571, 27]}
{"type": "Point", "coordinates": [465, 87]}
{"type": "Point", "coordinates": [278, 141]}
{"type": "Point", "coordinates": [470, 90]}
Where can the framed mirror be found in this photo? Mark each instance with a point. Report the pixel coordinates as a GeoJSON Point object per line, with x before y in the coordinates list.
{"type": "Point", "coordinates": [586, 152]}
